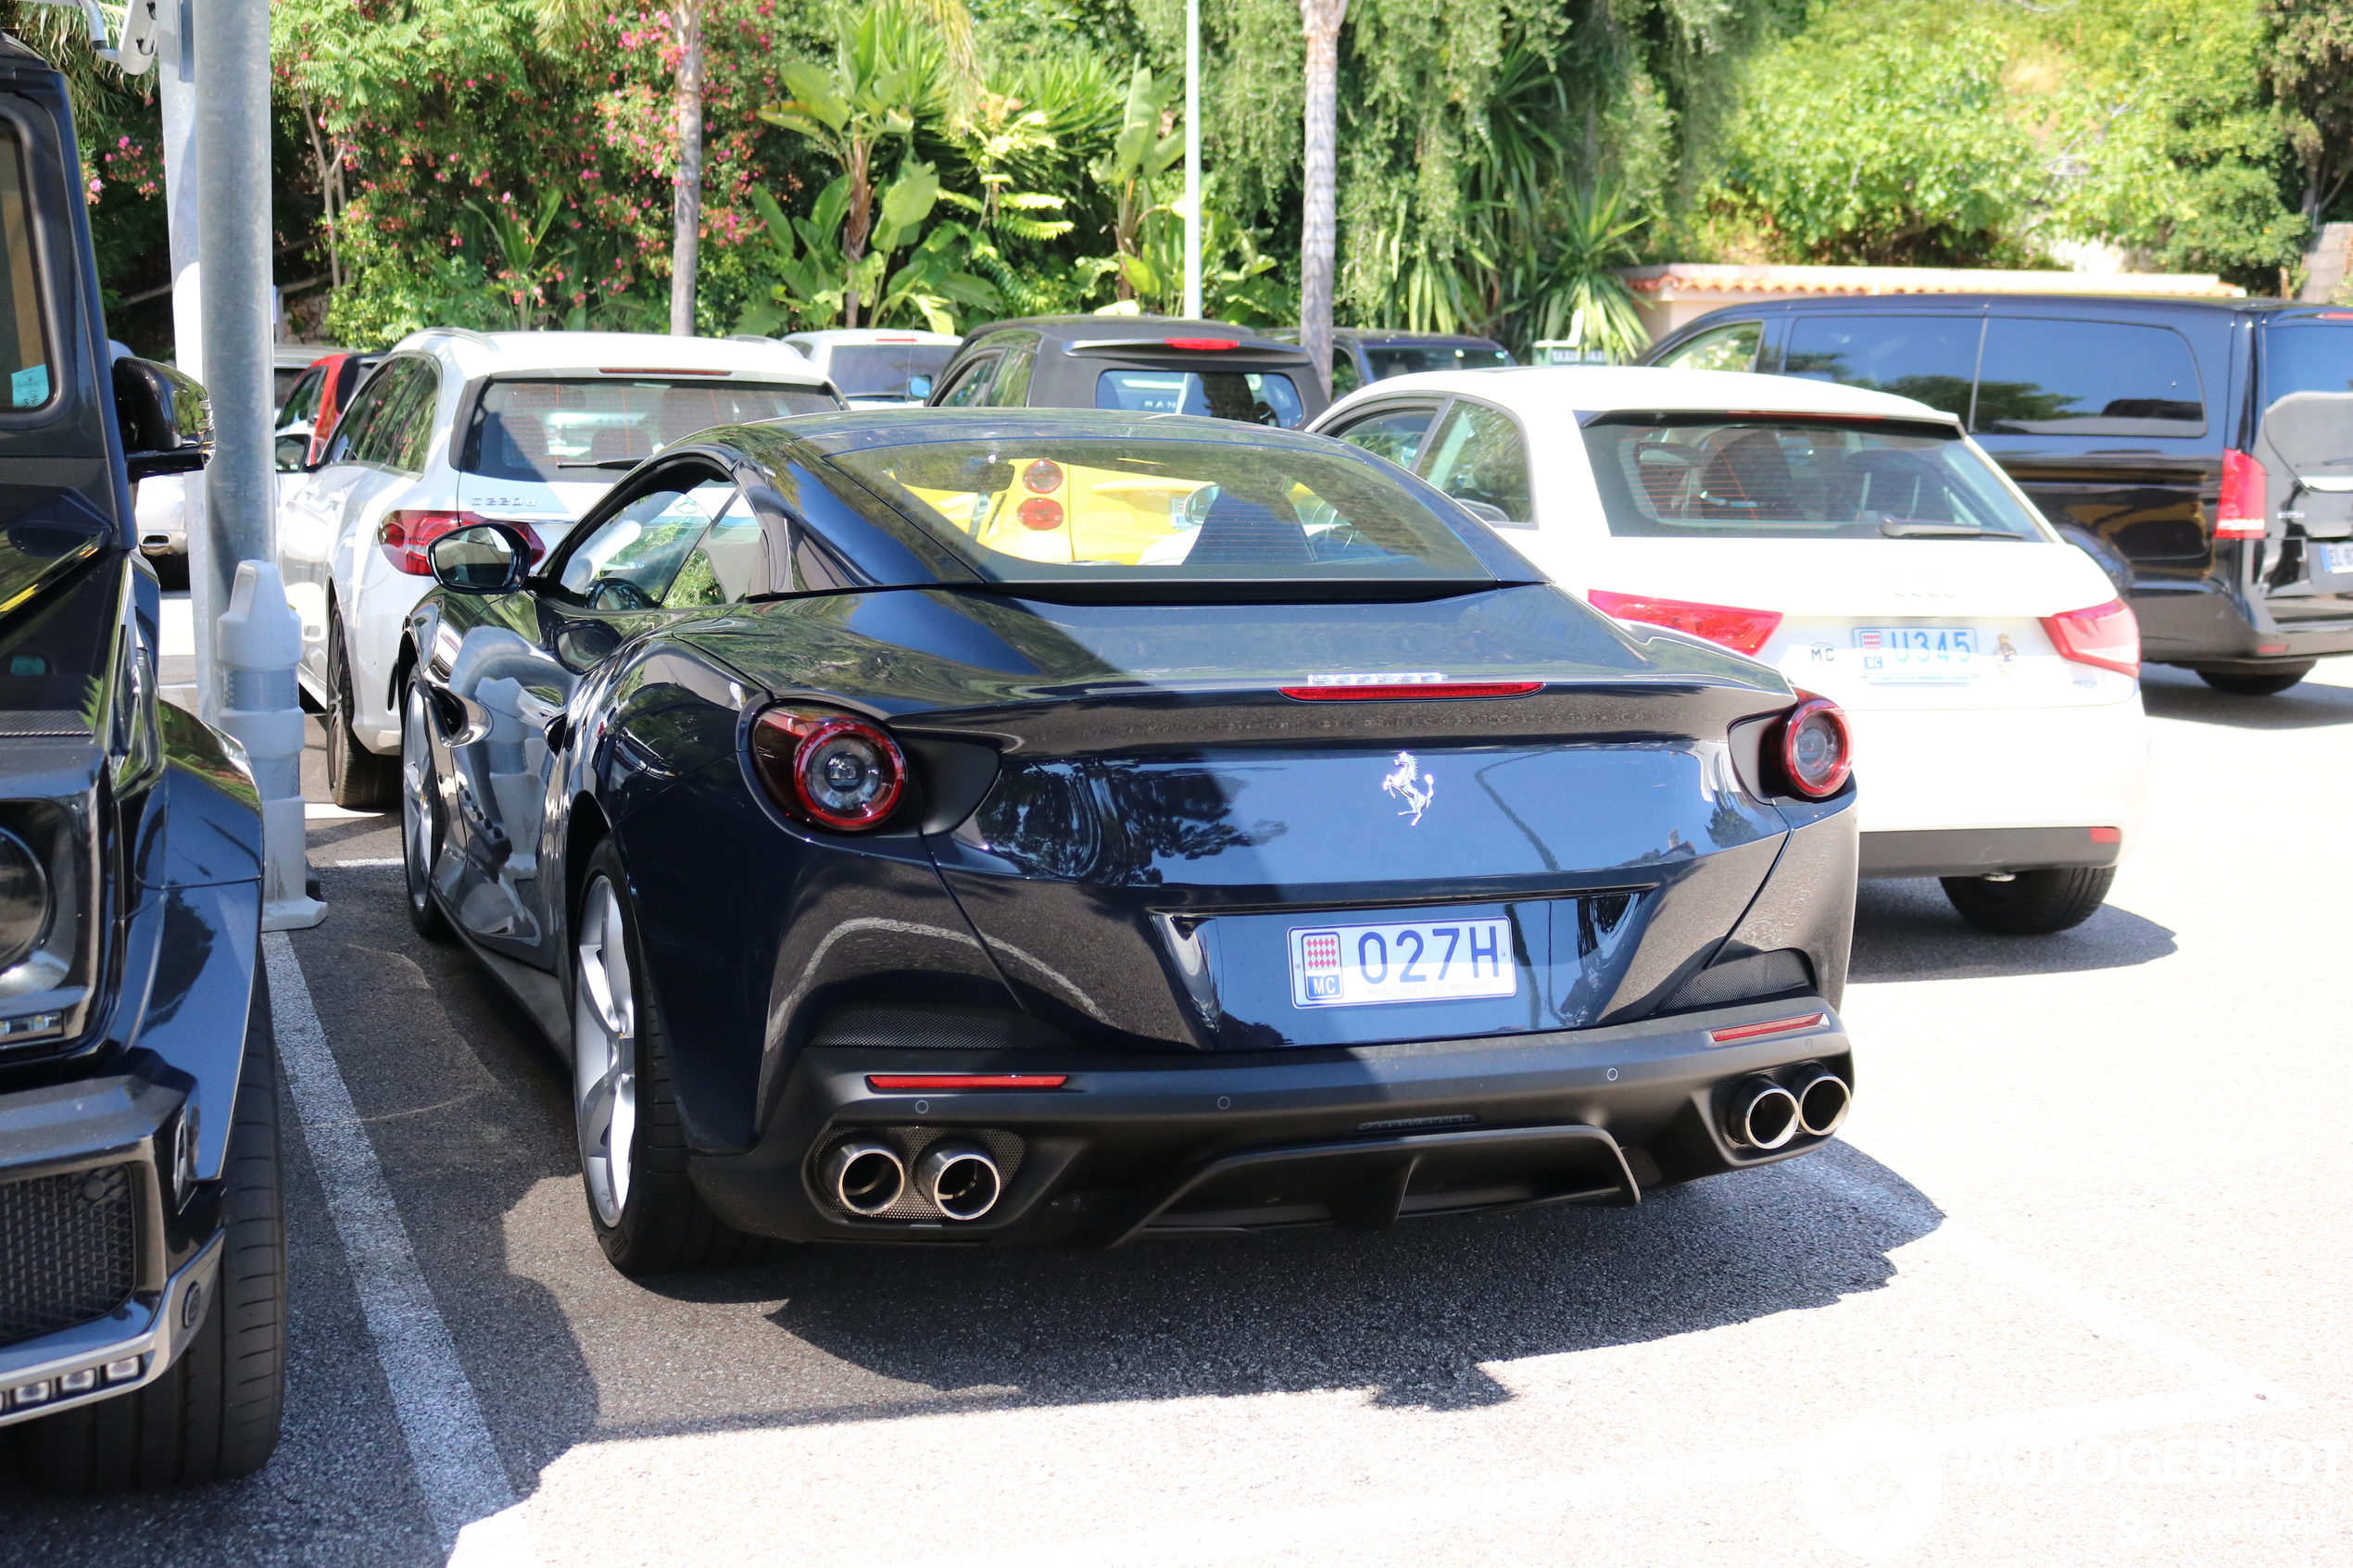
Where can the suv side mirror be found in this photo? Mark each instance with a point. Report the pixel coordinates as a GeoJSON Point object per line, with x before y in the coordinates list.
{"type": "Point", "coordinates": [166, 419]}
{"type": "Point", "coordinates": [919, 387]}
{"type": "Point", "coordinates": [489, 557]}
{"type": "Point", "coordinates": [293, 454]}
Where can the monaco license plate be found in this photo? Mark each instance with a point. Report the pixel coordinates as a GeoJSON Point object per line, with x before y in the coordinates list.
{"type": "Point", "coordinates": [1344, 966]}
{"type": "Point", "coordinates": [1919, 653]}
{"type": "Point", "coordinates": [2337, 558]}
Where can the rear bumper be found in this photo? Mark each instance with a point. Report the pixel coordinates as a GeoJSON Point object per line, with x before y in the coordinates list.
{"type": "Point", "coordinates": [1985, 769]}
{"type": "Point", "coordinates": [1976, 852]}
{"type": "Point", "coordinates": [1136, 1146]}
{"type": "Point", "coordinates": [2203, 626]}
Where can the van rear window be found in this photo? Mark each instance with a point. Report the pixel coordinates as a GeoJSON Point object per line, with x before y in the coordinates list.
{"type": "Point", "coordinates": [2044, 377]}
{"type": "Point", "coordinates": [2307, 357]}
{"type": "Point", "coordinates": [1716, 476]}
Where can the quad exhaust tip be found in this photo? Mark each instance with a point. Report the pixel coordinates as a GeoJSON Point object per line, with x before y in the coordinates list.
{"type": "Point", "coordinates": [960, 1177]}
{"type": "Point", "coordinates": [1766, 1114]}
{"type": "Point", "coordinates": [1763, 1114]}
{"type": "Point", "coordinates": [865, 1177]}
{"type": "Point", "coordinates": [1822, 1099]}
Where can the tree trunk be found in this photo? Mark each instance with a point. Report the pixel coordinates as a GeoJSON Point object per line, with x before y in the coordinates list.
{"type": "Point", "coordinates": [857, 224]}
{"type": "Point", "coordinates": [1319, 221]}
{"type": "Point", "coordinates": [686, 244]}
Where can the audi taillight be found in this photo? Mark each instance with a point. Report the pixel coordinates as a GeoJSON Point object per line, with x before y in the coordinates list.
{"type": "Point", "coordinates": [829, 769]}
{"type": "Point", "coordinates": [1813, 749]}
{"type": "Point", "coordinates": [2106, 636]}
{"type": "Point", "coordinates": [1743, 631]}
{"type": "Point", "coordinates": [406, 536]}
{"type": "Point", "coordinates": [2239, 514]}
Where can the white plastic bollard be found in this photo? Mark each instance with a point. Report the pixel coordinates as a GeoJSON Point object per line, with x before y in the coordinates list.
{"type": "Point", "coordinates": [260, 639]}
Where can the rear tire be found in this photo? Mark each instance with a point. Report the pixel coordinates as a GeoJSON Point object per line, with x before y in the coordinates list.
{"type": "Point", "coordinates": [633, 1146]}
{"type": "Point", "coordinates": [2031, 903]}
{"type": "Point", "coordinates": [2255, 685]}
{"type": "Point", "coordinates": [357, 780]}
{"type": "Point", "coordinates": [215, 1412]}
{"type": "Point", "coordinates": [422, 825]}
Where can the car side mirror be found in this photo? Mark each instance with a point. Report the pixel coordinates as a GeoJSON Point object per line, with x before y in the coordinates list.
{"type": "Point", "coordinates": [1490, 515]}
{"type": "Point", "coordinates": [919, 387]}
{"type": "Point", "coordinates": [486, 558]}
{"type": "Point", "coordinates": [165, 417]}
{"type": "Point", "coordinates": [293, 454]}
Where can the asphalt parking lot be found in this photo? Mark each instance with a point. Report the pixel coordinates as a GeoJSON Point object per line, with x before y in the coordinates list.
{"type": "Point", "coordinates": [2069, 1289]}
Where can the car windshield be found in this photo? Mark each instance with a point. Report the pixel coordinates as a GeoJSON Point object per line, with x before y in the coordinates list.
{"type": "Point", "coordinates": [1050, 510]}
{"type": "Point", "coordinates": [569, 428]}
{"type": "Point", "coordinates": [880, 369]}
{"type": "Point", "coordinates": [1412, 358]}
{"type": "Point", "coordinates": [1251, 396]}
{"type": "Point", "coordinates": [1748, 476]}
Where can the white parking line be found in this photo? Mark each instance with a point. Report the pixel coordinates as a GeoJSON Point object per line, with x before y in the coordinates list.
{"type": "Point", "coordinates": [458, 1468]}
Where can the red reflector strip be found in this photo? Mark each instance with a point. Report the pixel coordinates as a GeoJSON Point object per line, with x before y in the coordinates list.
{"type": "Point", "coordinates": [1207, 344]}
{"type": "Point", "coordinates": [1411, 693]}
{"type": "Point", "coordinates": [940, 1083]}
{"type": "Point", "coordinates": [1751, 1031]}
{"type": "Point", "coordinates": [2107, 835]}
{"type": "Point", "coordinates": [2270, 647]}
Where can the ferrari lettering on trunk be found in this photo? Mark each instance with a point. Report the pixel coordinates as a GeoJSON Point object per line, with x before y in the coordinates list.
{"type": "Point", "coordinates": [1414, 962]}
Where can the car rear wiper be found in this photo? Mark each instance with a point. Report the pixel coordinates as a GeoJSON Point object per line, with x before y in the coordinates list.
{"type": "Point", "coordinates": [608, 463]}
{"type": "Point", "coordinates": [1896, 528]}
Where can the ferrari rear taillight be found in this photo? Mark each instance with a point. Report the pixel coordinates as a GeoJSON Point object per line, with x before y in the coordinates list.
{"type": "Point", "coordinates": [2106, 636]}
{"type": "Point", "coordinates": [1041, 513]}
{"type": "Point", "coordinates": [2239, 514]}
{"type": "Point", "coordinates": [1814, 751]}
{"type": "Point", "coordinates": [1042, 476]}
{"type": "Point", "coordinates": [829, 769]}
{"type": "Point", "coordinates": [406, 536]}
{"type": "Point", "coordinates": [1743, 631]}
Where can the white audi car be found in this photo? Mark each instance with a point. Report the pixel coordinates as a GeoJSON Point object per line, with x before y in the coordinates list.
{"type": "Point", "coordinates": [459, 427]}
{"type": "Point", "coordinates": [1862, 545]}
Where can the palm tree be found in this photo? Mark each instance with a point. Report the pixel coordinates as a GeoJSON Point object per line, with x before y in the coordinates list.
{"type": "Point", "coordinates": [1319, 227]}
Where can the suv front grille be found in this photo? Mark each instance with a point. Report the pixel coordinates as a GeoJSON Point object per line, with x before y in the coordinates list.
{"type": "Point", "coordinates": [68, 1249]}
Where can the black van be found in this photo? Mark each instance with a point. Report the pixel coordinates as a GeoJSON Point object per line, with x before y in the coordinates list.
{"type": "Point", "coordinates": [2201, 450]}
{"type": "Point", "coordinates": [1146, 364]}
{"type": "Point", "coordinates": [142, 1259]}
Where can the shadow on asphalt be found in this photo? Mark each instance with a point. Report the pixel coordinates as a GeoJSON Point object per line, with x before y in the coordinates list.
{"type": "Point", "coordinates": [1411, 1315]}
{"type": "Point", "coordinates": [2177, 694]}
{"type": "Point", "coordinates": [1908, 931]}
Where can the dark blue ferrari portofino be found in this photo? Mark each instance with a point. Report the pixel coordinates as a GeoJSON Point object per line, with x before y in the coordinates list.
{"type": "Point", "coordinates": [989, 825]}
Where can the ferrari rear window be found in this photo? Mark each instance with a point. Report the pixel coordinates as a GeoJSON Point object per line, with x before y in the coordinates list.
{"type": "Point", "coordinates": [1048, 510]}
{"type": "Point", "coordinates": [1720, 476]}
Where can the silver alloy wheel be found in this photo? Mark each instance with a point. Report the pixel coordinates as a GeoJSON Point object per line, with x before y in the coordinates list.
{"type": "Point", "coordinates": [604, 1052]}
{"type": "Point", "coordinates": [416, 812]}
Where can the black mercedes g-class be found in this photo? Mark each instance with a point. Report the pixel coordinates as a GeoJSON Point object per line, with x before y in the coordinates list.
{"type": "Point", "coordinates": [2200, 449]}
{"type": "Point", "coordinates": [141, 1257]}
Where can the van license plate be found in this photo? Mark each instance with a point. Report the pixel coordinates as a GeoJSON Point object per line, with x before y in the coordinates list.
{"type": "Point", "coordinates": [1912, 654]}
{"type": "Point", "coordinates": [2337, 558]}
{"type": "Point", "coordinates": [1341, 966]}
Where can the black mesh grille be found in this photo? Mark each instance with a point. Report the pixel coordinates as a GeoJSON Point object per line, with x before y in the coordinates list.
{"type": "Point", "coordinates": [68, 1249]}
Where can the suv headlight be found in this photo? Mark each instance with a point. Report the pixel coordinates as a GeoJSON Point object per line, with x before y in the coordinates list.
{"type": "Point", "coordinates": [24, 901]}
{"type": "Point", "coordinates": [46, 927]}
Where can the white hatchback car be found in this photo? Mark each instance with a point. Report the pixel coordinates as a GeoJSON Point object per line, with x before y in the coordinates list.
{"type": "Point", "coordinates": [459, 427]}
{"type": "Point", "coordinates": [1862, 545]}
{"type": "Point", "coordinates": [877, 368]}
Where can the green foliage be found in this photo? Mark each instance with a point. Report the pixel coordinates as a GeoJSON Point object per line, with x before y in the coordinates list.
{"type": "Point", "coordinates": [1879, 137]}
{"type": "Point", "coordinates": [2306, 60]}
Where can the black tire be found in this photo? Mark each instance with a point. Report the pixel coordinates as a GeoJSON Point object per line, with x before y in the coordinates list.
{"type": "Point", "coordinates": [424, 829]}
{"type": "Point", "coordinates": [214, 1415]}
{"type": "Point", "coordinates": [357, 780]}
{"type": "Point", "coordinates": [2270, 684]}
{"type": "Point", "coordinates": [663, 1224]}
{"type": "Point", "coordinates": [2031, 903]}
